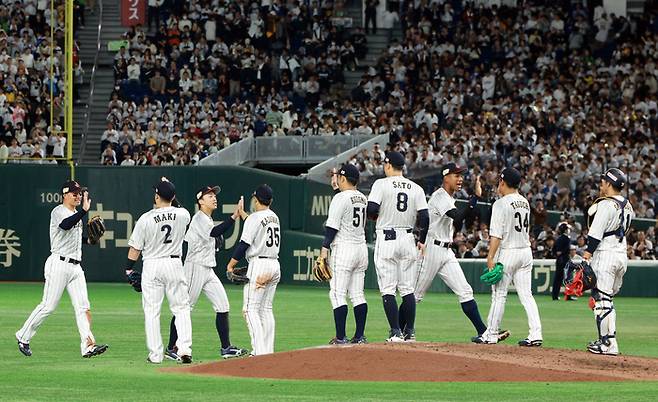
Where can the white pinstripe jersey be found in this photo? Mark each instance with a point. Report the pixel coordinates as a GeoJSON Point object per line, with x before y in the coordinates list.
{"type": "Point", "coordinates": [67, 243]}
{"type": "Point", "coordinates": [510, 221]}
{"type": "Point", "coordinates": [159, 232]}
{"type": "Point", "coordinates": [441, 225]}
{"type": "Point", "coordinates": [263, 234]}
{"type": "Point", "coordinates": [399, 201]}
{"type": "Point", "coordinates": [200, 246]}
{"type": "Point", "coordinates": [347, 214]}
{"type": "Point", "coordinates": [607, 218]}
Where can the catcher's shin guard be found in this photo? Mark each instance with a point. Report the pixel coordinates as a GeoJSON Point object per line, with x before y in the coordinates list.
{"type": "Point", "coordinates": [604, 311]}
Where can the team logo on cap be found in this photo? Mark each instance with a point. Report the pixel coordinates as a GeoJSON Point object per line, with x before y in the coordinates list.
{"type": "Point", "coordinates": [611, 176]}
{"type": "Point", "coordinates": [446, 171]}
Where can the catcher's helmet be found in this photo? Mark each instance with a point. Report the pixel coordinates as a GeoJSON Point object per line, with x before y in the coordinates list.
{"type": "Point", "coordinates": [578, 277]}
{"type": "Point", "coordinates": [615, 177]}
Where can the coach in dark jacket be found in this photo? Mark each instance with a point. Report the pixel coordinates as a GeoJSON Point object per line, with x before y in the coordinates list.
{"type": "Point", "coordinates": [561, 252]}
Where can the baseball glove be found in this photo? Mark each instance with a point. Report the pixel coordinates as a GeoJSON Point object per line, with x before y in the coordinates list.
{"type": "Point", "coordinates": [96, 228]}
{"type": "Point", "coordinates": [238, 275]}
{"type": "Point", "coordinates": [135, 280]}
{"type": "Point", "coordinates": [322, 270]}
{"type": "Point", "coordinates": [494, 276]}
{"type": "Point", "coordinates": [578, 277]}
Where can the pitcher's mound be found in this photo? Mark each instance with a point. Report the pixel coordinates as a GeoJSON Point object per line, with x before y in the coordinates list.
{"type": "Point", "coordinates": [434, 362]}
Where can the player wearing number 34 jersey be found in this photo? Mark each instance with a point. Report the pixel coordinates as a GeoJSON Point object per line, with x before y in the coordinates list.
{"type": "Point", "coordinates": [510, 246]}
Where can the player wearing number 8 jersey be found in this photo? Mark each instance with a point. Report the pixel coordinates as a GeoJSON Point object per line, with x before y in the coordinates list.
{"type": "Point", "coordinates": [260, 243]}
{"type": "Point", "coordinates": [158, 237]}
{"type": "Point", "coordinates": [510, 246]}
{"type": "Point", "coordinates": [396, 203]}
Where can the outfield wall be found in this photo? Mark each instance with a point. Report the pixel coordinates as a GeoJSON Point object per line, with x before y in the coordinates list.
{"type": "Point", "coordinates": [121, 194]}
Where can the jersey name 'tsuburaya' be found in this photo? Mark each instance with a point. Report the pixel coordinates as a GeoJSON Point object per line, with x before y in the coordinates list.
{"type": "Point", "coordinates": [263, 234]}
{"type": "Point", "coordinates": [159, 232]}
{"type": "Point", "coordinates": [399, 201]}
{"type": "Point", "coordinates": [67, 243]}
{"type": "Point", "coordinates": [608, 218]}
{"type": "Point", "coordinates": [347, 214]}
{"type": "Point", "coordinates": [200, 245]}
{"type": "Point", "coordinates": [510, 221]}
{"type": "Point", "coordinates": [441, 225]}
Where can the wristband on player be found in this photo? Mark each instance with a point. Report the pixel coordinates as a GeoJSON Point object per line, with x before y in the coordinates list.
{"type": "Point", "coordinates": [130, 264]}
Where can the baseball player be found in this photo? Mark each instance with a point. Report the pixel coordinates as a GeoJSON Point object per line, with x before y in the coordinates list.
{"type": "Point", "coordinates": [397, 203]}
{"type": "Point", "coordinates": [158, 237]}
{"type": "Point", "coordinates": [260, 242]}
{"type": "Point", "coordinates": [202, 238]}
{"type": "Point", "coordinates": [63, 271]}
{"type": "Point", "coordinates": [345, 236]}
{"type": "Point", "coordinates": [606, 251]}
{"type": "Point", "coordinates": [439, 257]}
{"type": "Point", "coordinates": [510, 245]}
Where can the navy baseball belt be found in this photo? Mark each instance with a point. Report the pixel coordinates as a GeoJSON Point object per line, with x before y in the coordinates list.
{"type": "Point", "coordinates": [268, 257]}
{"type": "Point", "coordinates": [444, 244]}
{"type": "Point", "coordinates": [390, 234]}
{"type": "Point", "coordinates": [69, 260]}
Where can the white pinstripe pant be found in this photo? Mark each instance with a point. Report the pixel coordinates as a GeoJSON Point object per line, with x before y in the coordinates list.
{"type": "Point", "coordinates": [609, 267]}
{"type": "Point", "coordinates": [165, 276]}
{"type": "Point", "coordinates": [258, 295]}
{"type": "Point", "coordinates": [396, 263]}
{"type": "Point", "coordinates": [349, 262]}
{"type": "Point", "coordinates": [517, 264]}
{"type": "Point", "coordinates": [442, 261]}
{"type": "Point", "coordinates": [203, 278]}
{"type": "Point", "coordinates": [61, 275]}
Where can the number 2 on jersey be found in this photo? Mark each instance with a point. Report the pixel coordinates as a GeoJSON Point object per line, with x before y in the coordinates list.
{"type": "Point", "coordinates": [272, 237]}
{"type": "Point", "coordinates": [359, 216]}
{"type": "Point", "coordinates": [167, 238]}
{"type": "Point", "coordinates": [524, 223]}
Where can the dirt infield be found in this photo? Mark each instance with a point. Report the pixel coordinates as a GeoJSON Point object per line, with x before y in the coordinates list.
{"type": "Point", "coordinates": [434, 362]}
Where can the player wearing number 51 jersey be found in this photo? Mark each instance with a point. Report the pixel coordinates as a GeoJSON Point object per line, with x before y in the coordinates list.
{"type": "Point", "coordinates": [345, 236]}
{"type": "Point", "coordinates": [510, 246]}
{"type": "Point", "coordinates": [260, 243]}
{"type": "Point", "coordinates": [396, 203]}
{"type": "Point", "coordinates": [158, 237]}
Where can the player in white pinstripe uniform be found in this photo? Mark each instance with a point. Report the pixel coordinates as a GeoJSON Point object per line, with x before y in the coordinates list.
{"type": "Point", "coordinates": [260, 241]}
{"type": "Point", "coordinates": [606, 249]}
{"type": "Point", "coordinates": [397, 203]}
{"type": "Point", "coordinates": [510, 245]}
{"type": "Point", "coordinates": [158, 237]}
{"type": "Point", "coordinates": [345, 236]}
{"type": "Point", "coordinates": [439, 258]}
{"type": "Point", "coordinates": [63, 271]}
{"type": "Point", "coordinates": [202, 239]}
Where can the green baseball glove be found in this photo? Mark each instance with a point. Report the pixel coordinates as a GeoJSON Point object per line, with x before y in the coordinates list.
{"type": "Point", "coordinates": [494, 276]}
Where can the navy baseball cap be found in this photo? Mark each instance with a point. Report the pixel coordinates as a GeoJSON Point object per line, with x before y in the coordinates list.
{"type": "Point", "coordinates": [165, 189]}
{"type": "Point", "coordinates": [349, 171]}
{"type": "Point", "coordinates": [395, 158]}
{"type": "Point", "coordinates": [615, 177]}
{"type": "Point", "coordinates": [263, 193]}
{"type": "Point", "coordinates": [511, 176]}
{"type": "Point", "coordinates": [450, 168]}
{"type": "Point", "coordinates": [207, 189]}
{"type": "Point", "coordinates": [71, 186]}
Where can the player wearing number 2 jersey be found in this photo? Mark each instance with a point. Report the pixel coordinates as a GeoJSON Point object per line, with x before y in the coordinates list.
{"type": "Point", "coordinates": [396, 203]}
{"type": "Point", "coordinates": [510, 246]}
{"type": "Point", "coordinates": [158, 237]}
{"type": "Point", "coordinates": [260, 243]}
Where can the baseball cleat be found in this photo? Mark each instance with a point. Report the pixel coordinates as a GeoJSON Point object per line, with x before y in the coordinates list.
{"type": "Point", "coordinates": [503, 334]}
{"type": "Point", "coordinates": [410, 335]}
{"type": "Point", "coordinates": [528, 343]}
{"type": "Point", "coordinates": [359, 340]}
{"type": "Point", "coordinates": [95, 351]}
{"type": "Point", "coordinates": [172, 354]}
{"type": "Point", "coordinates": [24, 348]}
{"type": "Point", "coordinates": [232, 352]}
{"type": "Point", "coordinates": [600, 348]}
{"type": "Point", "coordinates": [149, 361]}
{"type": "Point", "coordinates": [186, 359]}
{"type": "Point", "coordinates": [481, 341]}
{"type": "Point", "coordinates": [339, 341]}
{"type": "Point", "coordinates": [395, 336]}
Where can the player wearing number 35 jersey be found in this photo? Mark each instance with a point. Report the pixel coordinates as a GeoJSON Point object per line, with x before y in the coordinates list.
{"type": "Point", "coordinates": [510, 246]}
{"type": "Point", "coordinates": [158, 237]}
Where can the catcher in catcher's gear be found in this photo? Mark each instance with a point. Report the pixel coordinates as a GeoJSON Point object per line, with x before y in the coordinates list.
{"type": "Point", "coordinates": [345, 236]}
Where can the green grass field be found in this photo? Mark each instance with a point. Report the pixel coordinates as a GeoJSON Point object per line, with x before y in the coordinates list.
{"type": "Point", "coordinates": [57, 372]}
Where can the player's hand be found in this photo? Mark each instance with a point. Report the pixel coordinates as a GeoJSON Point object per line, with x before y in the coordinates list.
{"type": "Point", "coordinates": [86, 201]}
{"type": "Point", "coordinates": [490, 263]}
{"type": "Point", "coordinates": [334, 179]}
{"type": "Point", "coordinates": [477, 187]}
{"type": "Point", "coordinates": [324, 253]}
{"type": "Point", "coordinates": [238, 210]}
{"type": "Point", "coordinates": [587, 256]}
{"type": "Point", "coordinates": [421, 248]}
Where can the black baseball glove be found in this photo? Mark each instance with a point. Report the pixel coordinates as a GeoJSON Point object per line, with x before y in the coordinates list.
{"type": "Point", "coordinates": [135, 280]}
{"type": "Point", "coordinates": [238, 275]}
{"type": "Point", "coordinates": [96, 228]}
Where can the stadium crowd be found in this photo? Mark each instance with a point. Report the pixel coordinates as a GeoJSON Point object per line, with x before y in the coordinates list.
{"type": "Point", "coordinates": [26, 82]}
